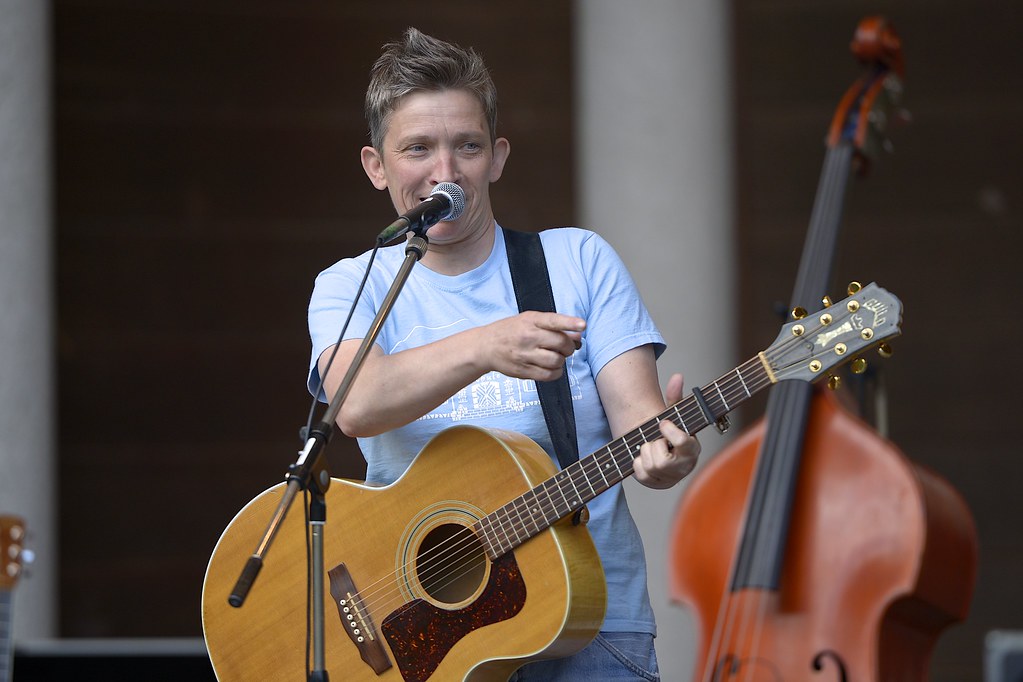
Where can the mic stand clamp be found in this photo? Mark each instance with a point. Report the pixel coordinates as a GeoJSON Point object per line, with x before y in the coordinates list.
{"type": "Point", "coordinates": [310, 473]}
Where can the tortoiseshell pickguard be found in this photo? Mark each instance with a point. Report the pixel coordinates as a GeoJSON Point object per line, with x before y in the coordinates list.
{"type": "Point", "coordinates": [420, 634]}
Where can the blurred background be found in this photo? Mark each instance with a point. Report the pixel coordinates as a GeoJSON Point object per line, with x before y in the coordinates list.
{"type": "Point", "coordinates": [174, 174]}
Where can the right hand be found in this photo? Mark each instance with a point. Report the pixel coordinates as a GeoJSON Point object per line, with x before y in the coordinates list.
{"type": "Point", "coordinates": [533, 345]}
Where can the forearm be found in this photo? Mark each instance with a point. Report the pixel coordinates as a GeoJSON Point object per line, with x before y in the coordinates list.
{"type": "Point", "coordinates": [393, 390]}
{"type": "Point", "coordinates": [631, 395]}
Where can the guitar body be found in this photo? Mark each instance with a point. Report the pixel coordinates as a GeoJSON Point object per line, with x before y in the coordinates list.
{"type": "Point", "coordinates": [544, 599]}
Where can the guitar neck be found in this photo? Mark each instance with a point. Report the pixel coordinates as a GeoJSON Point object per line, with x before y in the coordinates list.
{"type": "Point", "coordinates": [563, 494]}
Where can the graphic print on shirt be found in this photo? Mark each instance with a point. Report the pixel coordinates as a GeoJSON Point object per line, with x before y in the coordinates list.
{"type": "Point", "coordinates": [495, 394]}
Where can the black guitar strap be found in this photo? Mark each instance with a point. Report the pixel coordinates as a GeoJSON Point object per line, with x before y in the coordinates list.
{"type": "Point", "coordinates": [532, 283]}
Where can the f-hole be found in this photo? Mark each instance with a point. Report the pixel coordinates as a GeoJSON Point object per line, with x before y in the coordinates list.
{"type": "Point", "coordinates": [451, 564]}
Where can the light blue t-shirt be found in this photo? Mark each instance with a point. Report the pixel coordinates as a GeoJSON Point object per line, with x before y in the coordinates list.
{"type": "Point", "coordinates": [589, 281]}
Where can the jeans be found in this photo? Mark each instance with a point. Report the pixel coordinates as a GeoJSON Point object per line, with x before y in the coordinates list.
{"type": "Point", "coordinates": [610, 656]}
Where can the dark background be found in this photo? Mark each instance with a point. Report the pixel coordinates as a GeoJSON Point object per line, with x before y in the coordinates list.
{"type": "Point", "coordinates": [206, 157]}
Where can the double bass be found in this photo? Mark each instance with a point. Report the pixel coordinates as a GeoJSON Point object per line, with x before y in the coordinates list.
{"type": "Point", "coordinates": [811, 548]}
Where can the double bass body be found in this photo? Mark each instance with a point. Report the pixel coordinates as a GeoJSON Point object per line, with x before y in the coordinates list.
{"type": "Point", "coordinates": [881, 556]}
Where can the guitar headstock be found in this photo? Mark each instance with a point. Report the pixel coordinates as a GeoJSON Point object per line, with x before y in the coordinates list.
{"type": "Point", "coordinates": [12, 550]}
{"type": "Point", "coordinates": [807, 348]}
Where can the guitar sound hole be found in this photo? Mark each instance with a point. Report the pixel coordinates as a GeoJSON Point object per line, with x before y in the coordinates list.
{"type": "Point", "coordinates": [451, 564]}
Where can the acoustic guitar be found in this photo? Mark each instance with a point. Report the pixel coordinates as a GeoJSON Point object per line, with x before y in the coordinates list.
{"type": "Point", "coordinates": [469, 566]}
{"type": "Point", "coordinates": [12, 543]}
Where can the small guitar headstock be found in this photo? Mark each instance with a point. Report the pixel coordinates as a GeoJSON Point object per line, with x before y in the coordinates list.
{"type": "Point", "coordinates": [807, 348]}
{"type": "Point", "coordinates": [12, 550]}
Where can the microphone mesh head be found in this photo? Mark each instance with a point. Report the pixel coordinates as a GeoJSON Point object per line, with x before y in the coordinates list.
{"type": "Point", "coordinates": [455, 195]}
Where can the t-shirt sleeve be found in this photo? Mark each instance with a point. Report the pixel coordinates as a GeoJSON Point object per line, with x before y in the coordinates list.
{"type": "Point", "coordinates": [617, 318]}
{"type": "Point", "coordinates": [329, 306]}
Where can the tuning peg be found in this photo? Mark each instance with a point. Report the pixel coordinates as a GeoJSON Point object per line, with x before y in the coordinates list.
{"type": "Point", "coordinates": [834, 382]}
{"type": "Point", "coordinates": [799, 312]}
{"type": "Point", "coordinates": [826, 301]}
{"type": "Point", "coordinates": [858, 366]}
{"type": "Point", "coordinates": [853, 288]}
{"type": "Point", "coordinates": [885, 351]}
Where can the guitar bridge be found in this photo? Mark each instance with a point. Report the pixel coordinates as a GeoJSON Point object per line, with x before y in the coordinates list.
{"type": "Point", "coordinates": [356, 620]}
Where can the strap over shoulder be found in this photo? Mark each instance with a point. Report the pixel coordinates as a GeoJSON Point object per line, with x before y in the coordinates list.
{"type": "Point", "coordinates": [532, 283]}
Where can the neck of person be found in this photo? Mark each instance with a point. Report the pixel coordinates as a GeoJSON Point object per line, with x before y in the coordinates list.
{"type": "Point", "coordinates": [463, 253]}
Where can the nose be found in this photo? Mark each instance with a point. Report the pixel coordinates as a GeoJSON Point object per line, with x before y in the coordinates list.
{"type": "Point", "coordinates": [446, 168]}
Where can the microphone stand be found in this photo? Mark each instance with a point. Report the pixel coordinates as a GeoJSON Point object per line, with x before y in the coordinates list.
{"type": "Point", "coordinates": [309, 472]}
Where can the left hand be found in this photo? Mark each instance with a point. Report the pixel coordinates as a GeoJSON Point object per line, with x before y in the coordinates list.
{"type": "Point", "coordinates": [664, 462]}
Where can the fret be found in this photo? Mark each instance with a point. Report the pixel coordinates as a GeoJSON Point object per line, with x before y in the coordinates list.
{"type": "Point", "coordinates": [516, 523]}
{"type": "Point", "coordinates": [578, 497]}
{"type": "Point", "coordinates": [723, 401]}
{"type": "Point", "coordinates": [682, 422]}
{"type": "Point", "coordinates": [534, 509]}
{"type": "Point", "coordinates": [551, 505]}
{"type": "Point", "coordinates": [487, 535]}
{"type": "Point", "coordinates": [743, 382]}
{"type": "Point", "coordinates": [600, 470]}
{"type": "Point", "coordinates": [502, 529]}
{"type": "Point", "coordinates": [624, 459]}
{"type": "Point", "coordinates": [619, 469]}
{"type": "Point", "coordinates": [561, 489]}
{"type": "Point", "coordinates": [586, 477]}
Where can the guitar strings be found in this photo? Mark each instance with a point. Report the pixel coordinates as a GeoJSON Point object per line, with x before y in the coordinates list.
{"type": "Point", "coordinates": [430, 565]}
{"type": "Point", "coordinates": [469, 540]}
{"type": "Point", "coordinates": [439, 559]}
{"type": "Point", "coordinates": [462, 553]}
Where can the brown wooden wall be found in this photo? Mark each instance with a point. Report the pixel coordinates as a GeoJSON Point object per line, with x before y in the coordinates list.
{"type": "Point", "coordinates": [207, 169]}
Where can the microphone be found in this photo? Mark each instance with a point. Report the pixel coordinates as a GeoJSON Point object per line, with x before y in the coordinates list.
{"type": "Point", "coordinates": [446, 202]}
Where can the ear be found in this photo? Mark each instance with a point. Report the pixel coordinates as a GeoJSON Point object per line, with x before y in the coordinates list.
{"type": "Point", "coordinates": [374, 167]}
{"type": "Point", "coordinates": [502, 148]}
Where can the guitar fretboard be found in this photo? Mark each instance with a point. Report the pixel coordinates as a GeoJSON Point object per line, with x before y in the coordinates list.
{"type": "Point", "coordinates": [563, 494]}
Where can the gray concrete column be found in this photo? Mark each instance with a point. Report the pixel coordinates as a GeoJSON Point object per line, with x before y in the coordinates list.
{"type": "Point", "coordinates": [654, 164]}
{"type": "Point", "coordinates": [27, 481]}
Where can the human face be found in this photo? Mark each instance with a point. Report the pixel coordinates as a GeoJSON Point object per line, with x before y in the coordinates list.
{"type": "Point", "coordinates": [434, 137]}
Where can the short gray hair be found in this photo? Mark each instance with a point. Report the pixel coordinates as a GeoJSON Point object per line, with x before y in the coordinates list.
{"type": "Point", "coordinates": [418, 63]}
